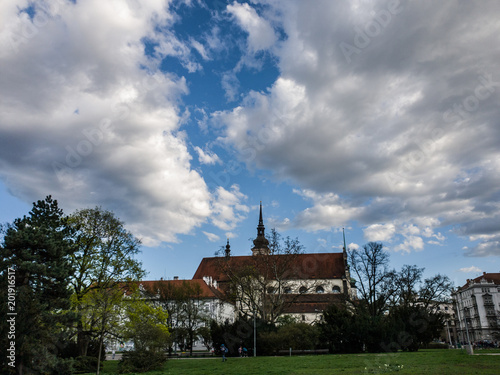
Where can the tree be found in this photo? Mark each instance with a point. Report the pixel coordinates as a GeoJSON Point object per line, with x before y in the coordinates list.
{"type": "Point", "coordinates": [435, 290]}
{"type": "Point", "coordinates": [342, 330]}
{"type": "Point", "coordinates": [37, 249]}
{"type": "Point", "coordinates": [146, 325]}
{"type": "Point", "coordinates": [260, 286]}
{"type": "Point", "coordinates": [104, 259]}
{"type": "Point", "coordinates": [375, 280]}
{"type": "Point", "coordinates": [184, 303]}
{"type": "Point", "coordinates": [206, 335]}
{"type": "Point", "coordinates": [405, 283]}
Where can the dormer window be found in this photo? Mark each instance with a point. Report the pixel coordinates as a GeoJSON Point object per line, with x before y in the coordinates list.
{"type": "Point", "coordinates": [336, 289]}
{"type": "Point", "coordinates": [320, 289]}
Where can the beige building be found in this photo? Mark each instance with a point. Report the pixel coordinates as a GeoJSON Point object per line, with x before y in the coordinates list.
{"type": "Point", "coordinates": [300, 285]}
{"type": "Point", "coordinates": [477, 307]}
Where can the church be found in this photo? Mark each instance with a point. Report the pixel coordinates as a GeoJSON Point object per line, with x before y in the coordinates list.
{"type": "Point", "coordinates": [296, 284]}
{"type": "Point", "coordinates": [268, 283]}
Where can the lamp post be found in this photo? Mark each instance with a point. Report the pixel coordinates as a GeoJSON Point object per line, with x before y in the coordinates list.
{"type": "Point", "coordinates": [469, 349]}
{"type": "Point", "coordinates": [254, 335]}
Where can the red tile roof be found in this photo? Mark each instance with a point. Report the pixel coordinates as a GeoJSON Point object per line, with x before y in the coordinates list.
{"type": "Point", "coordinates": [201, 289]}
{"type": "Point", "coordinates": [302, 266]}
{"type": "Point", "coordinates": [490, 277]}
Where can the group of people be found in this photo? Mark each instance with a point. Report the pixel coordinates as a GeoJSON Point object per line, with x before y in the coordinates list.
{"type": "Point", "coordinates": [242, 352]}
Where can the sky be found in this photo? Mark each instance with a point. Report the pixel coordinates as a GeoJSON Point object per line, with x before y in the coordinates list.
{"type": "Point", "coordinates": [380, 117]}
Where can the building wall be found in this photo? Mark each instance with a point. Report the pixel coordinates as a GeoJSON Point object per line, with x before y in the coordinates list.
{"type": "Point", "coordinates": [479, 304]}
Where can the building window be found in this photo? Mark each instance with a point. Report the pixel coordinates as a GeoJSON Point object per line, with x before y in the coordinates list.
{"type": "Point", "coordinates": [336, 289]}
{"type": "Point", "coordinates": [320, 289]}
{"type": "Point", "coordinates": [288, 290]}
{"type": "Point", "coordinates": [270, 290]}
{"type": "Point", "coordinates": [302, 290]}
{"type": "Point", "coordinates": [303, 317]}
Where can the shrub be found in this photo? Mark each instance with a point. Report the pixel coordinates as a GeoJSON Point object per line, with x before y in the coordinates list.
{"type": "Point", "coordinates": [86, 364]}
{"type": "Point", "coordinates": [436, 345]}
{"type": "Point", "coordinates": [141, 361]}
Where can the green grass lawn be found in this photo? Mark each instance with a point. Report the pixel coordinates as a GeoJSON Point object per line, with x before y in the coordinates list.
{"type": "Point", "coordinates": [422, 362]}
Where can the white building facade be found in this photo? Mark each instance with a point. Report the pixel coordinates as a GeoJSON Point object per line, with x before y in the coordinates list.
{"type": "Point", "coordinates": [477, 307]}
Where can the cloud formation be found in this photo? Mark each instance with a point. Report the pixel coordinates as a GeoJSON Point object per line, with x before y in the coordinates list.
{"type": "Point", "coordinates": [399, 130]}
{"type": "Point", "coordinates": [470, 269]}
{"type": "Point", "coordinates": [103, 120]}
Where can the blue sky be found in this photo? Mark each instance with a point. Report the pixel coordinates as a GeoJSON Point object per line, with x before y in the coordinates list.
{"type": "Point", "coordinates": [181, 116]}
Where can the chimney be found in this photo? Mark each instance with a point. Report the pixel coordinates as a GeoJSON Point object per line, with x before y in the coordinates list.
{"type": "Point", "coordinates": [176, 277]}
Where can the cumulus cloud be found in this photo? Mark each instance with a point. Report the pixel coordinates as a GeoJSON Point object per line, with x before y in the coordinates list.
{"type": "Point", "coordinates": [227, 208]}
{"type": "Point", "coordinates": [103, 120]}
{"type": "Point", "coordinates": [471, 269]}
{"type": "Point", "coordinates": [261, 35]}
{"type": "Point", "coordinates": [403, 130]}
{"type": "Point", "coordinates": [211, 236]}
{"type": "Point", "coordinates": [379, 232]}
{"type": "Point", "coordinates": [207, 157]}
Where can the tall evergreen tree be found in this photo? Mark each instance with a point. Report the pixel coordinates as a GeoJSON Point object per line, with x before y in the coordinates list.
{"type": "Point", "coordinates": [37, 248]}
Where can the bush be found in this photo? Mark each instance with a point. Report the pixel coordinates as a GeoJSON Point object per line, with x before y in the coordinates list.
{"type": "Point", "coordinates": [436, 345]}
{"type": "Point", "coordinates": [86, 364]}
{"type": "Point", "coordinates": [141, 361]}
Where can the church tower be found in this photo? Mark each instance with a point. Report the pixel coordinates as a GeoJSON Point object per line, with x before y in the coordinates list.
{"type": "Point", "coordinates": [261, 244]}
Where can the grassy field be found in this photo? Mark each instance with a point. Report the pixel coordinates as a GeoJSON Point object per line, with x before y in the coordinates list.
{"type": "Point", "coordinates": [421, 362]}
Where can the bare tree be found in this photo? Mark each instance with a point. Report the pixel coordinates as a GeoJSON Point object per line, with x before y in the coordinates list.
{"type": "Point", "coordinates": [369, 265]}
{"type": "Point", "coordinates": [435, 290]}
{"type": "Point", "coordinates": [263, 284]}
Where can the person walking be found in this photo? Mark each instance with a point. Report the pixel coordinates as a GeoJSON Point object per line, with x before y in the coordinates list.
{"type": "Point", "coordinates": [224, 351]}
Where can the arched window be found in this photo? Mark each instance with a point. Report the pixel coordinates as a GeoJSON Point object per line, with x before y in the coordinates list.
{"type": "Point", "coordinates": [288, 290]}
{"type": "Point", "coordinates": [336, 289]}
{"type": "Point", "coordinates": [302, 290]}
{"type": "Point", "coordinates": [270, 290]}
{"type": "Point", "coordinates": [320, 289]}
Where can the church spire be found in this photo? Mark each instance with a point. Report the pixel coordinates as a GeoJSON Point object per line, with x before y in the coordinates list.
{"type": "Point", "coordinates": [260, 243]}
{"type": "Point", "coordinates": [228, 249]}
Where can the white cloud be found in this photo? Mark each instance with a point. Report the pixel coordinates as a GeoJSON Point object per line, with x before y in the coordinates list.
{"type": "Point", "coordinates": [404, 133]}
{"type": "Point", "coordinates": [227, 209]}
{"type": "Point", "coordinates": [379, 232]}
{"type": "Point", "coordinates": [102, 130]}
{"type": "Point", "coordinates": [211, 236]}
{"type": "Point", "coordinates": [207, 157]}
{"type": "Point", "coordinates": [471, 269]}
{"type": "Point", "coordinates": [353, 246]}
{"type": "Point", "coordinates": [410, 243]}
{"type": "Point", "coordinates": [261, 35]}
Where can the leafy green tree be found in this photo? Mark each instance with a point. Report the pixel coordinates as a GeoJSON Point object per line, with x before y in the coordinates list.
{"type": "Point", "coordinates": [103, 260]}
{"type": "Point", "coordinates": [185, 307]}
{"type": "Point", "coordinates": [415, 326]}
{"type": "Point", "coordinates": [37, 249]}
{"type": "Point", "coordinates": [343, 331]}
{"type": "Point", "coordinates": [206, 336]}
{"type": "Point", "coordinates": [298, 336]}
{"type": "Point", "coordinates": [146, 325]}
